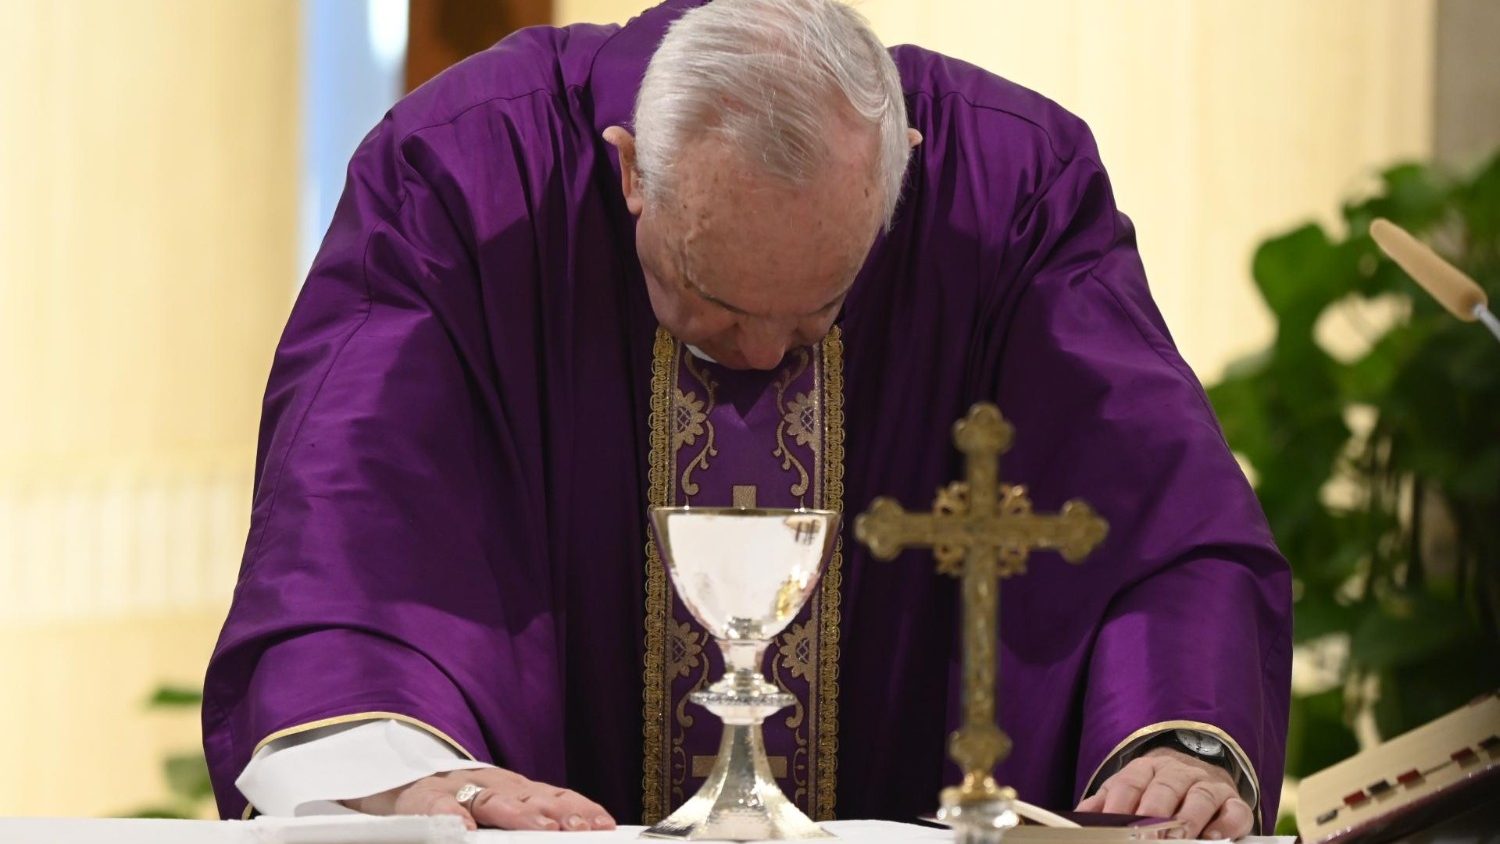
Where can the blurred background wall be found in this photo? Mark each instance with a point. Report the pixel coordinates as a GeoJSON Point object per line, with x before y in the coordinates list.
{"type": "Point", "coordinates": [148, 219]}
{"type": "Point", "coordinates": [167, 167]}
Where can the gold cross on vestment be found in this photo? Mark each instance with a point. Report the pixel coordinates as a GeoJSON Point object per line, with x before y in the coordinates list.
{"type": "Point", "coordinates": [981, 531]}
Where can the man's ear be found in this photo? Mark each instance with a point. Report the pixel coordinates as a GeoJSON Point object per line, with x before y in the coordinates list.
{"type": "Point", "coordinates": [630, 179]}
{"type": "Point", "coordinates": [914, 138]}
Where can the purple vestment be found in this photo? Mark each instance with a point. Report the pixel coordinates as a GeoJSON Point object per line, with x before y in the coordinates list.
{"type": "Point", "coordinates": [449, 516]}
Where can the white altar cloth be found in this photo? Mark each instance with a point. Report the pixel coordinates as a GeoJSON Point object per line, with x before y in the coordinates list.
{"type": "Point", "coordinates": [392, 831]}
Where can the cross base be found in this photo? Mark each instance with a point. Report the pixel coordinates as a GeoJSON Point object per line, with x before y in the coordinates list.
{"type": "Point", "coordinates": [979, 812]}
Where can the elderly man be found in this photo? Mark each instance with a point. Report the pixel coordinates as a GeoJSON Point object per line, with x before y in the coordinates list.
{"type": "Point", "coordinates": [728, 253]}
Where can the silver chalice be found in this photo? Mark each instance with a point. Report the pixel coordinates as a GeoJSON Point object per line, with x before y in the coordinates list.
{"type": "Point", "coordinates": [744, 574]}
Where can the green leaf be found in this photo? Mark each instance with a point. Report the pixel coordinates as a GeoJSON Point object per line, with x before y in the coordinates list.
{"type": "Point", "coordinates": [1480, 203]}
{"type": "Point", "coordinates": [1416, 693]}
{"type": "Point", "coordinates": [169, 697]}
{"type": "Point", "coordinates": [1286, 824]}
{"type": "Point", "coordinates": [1318, 614]}
{"type": "Point", "coordinates": [1241, 406]}
{"type": "Point", "coordinates": [1415, 196]}
{"type": "Point", "coordinates": [1317, 735]}
{"type": "Point", "coordinates": [1407, 629]}
{"type": "Point", "coordinates": [187, 776]}
{"type": "Point", "coordinates": [1296, 273]}
{"type": "Point", "coordinates": [1369, 379]}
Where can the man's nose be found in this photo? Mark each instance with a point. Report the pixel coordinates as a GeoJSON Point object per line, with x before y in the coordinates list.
{"type": "Point", "coordinates": [763, 345]}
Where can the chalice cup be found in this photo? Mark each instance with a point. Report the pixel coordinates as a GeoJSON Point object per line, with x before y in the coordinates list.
{"type": "Point", "coordinates": [744, 573]}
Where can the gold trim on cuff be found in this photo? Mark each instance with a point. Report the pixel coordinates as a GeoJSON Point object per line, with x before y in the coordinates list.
{"type": "Point", "coordinates": [1240, 756]}
{"type": "Point", "coordinates": [350, 719]}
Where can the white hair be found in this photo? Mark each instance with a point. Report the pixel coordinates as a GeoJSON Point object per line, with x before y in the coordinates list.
{"type": "Point", "coordinates": [770, 77]}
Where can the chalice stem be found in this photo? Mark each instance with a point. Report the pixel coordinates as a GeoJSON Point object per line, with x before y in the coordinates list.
{"type": "Point", "coordinates": [741, 773]}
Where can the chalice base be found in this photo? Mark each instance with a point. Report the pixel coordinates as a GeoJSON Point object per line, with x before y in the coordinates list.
{"type": "Point", "coordinates": [740, 800]}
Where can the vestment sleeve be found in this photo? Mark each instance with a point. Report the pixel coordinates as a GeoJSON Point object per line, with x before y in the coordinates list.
{"type": "Point", "coordinates": [392, 488]}
{"type": "Point", "coordinates": [1189, 599]}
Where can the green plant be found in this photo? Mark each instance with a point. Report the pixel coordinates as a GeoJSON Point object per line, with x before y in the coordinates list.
{"type": "Point", "coordinates": [1380, 474]}
{"type": "Point", "coordinates": [186, 773]}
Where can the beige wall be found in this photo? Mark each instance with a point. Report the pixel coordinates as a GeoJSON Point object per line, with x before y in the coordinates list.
{"type": "Point", "coordinates": [1220, 120]}
{"type": "Point", "coordinates": [78, 740]}
{"type": "Point", "coordinates": [148, 159]}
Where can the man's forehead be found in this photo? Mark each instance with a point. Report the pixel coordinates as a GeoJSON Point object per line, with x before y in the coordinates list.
{"type": "Point", "coordinates": [714, 180]}
{"type": "Point", "coordinates": [768, 275]}
{"type": "Point", "coordinates": [759, 245]}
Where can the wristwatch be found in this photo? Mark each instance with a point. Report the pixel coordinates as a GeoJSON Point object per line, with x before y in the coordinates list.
{"type": "Point", "coordinates": [1202, 745]}
{"type": "Point", "coordinates": [1197, 744]}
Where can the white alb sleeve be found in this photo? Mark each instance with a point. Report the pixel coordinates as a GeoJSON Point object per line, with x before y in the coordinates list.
{"type": "Point", "coordinates": [307, 773]}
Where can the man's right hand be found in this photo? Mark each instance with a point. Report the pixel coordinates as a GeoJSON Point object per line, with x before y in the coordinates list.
{"type": "Point", "coordinates": [508, 801]}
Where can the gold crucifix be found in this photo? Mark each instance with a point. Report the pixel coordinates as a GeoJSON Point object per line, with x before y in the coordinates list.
{"type": "Point", "coordinates": [980, 530]}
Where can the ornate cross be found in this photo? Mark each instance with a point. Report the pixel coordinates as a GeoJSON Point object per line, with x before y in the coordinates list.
{"type": "Point", "coordinates": [980, 530]}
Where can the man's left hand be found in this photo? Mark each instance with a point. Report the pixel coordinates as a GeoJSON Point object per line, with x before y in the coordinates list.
{"type": "Point", "coordinates": [1164, 783]}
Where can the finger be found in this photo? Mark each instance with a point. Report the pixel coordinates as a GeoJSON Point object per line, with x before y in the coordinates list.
{"type": "Point", "coordinates": [571, 810]}
{"type": "Point", "coordinates": [1234, 820]}
{"type": "Point", "coordinates": [493, 808]}
{"type": "Point", "coordinates": [430, 800]}
{"type": "Point", "coordinates": [1160, 800]}
{"type": "Point", "coordinates": [1162, 797]}
{"type": "Point", "coordinates": [597, 816]}
{"type": "Point", "coordinates": [1122, 798]}
{"type": "Point", "coordinates": [1092, 803]}
{"type": "Point", "coordinates": [1123, 790]}
{"type": "Point", "coordinates": [1201, 803]}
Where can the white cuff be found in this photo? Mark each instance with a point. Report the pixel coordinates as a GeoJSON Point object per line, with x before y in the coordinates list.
{"type": "Point", "coordinates": [306, 773]}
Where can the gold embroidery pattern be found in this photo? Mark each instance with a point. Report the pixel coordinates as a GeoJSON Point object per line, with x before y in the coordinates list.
{"type": "Point", "coordinates": [696, 415]}
{"type": "Point", "coordinates": [795, 649]}
{"type": "Point", "coordinates": [685, 649]}
{"type": "Point", "coordinates": [688, 418]}
{"type": "Point", "coordinates": [832, 459]}
{"type": "Point", "coordinates": [801, 419]}
{"type": "Point", "coordinates": [659, 474]}
{"type": "Point", "coordinates": [680, 763]}
{"type": "Point", "coordinates": [786, 646]}
{"type": "Point", "coordinates": [789, 460]}
{"type": "Point", "coordinates": [694, 411]}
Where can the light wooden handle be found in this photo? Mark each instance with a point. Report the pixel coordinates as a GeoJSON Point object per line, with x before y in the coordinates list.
{"type": "Point", "coordinates": [1447, 284]}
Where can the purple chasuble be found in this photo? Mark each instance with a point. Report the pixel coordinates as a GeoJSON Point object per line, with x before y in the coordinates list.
{"type": "Point", "coordinates": [463, 431]}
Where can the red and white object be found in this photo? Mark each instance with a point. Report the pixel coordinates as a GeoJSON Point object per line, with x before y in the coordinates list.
{"type": "Point", "coordinates": [1414, 781]}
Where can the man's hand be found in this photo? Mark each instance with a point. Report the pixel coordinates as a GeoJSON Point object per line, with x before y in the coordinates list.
{"type": "Point", "coordinates": [508, 801]}
{"type": "Point", "coordinates": [1163, 783]}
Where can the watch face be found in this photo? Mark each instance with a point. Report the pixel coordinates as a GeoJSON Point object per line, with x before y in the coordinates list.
{"type": "Point", "coordinates": [1200, 744]}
